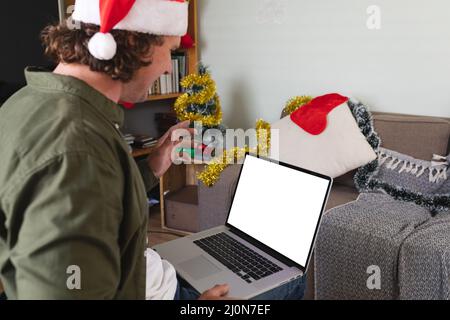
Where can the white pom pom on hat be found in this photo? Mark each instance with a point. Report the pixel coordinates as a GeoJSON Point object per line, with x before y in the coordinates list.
{"type": "Point", "coordinates": [103, 46]}
{"type": "Point", "coordinates": [159, 17]}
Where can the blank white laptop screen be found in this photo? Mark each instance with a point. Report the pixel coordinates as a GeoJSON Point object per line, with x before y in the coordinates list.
{"type": "Point", "coordinates": [278, 206]}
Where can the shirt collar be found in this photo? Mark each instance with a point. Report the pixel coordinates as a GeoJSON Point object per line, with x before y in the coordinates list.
{"type": "Point", "coordinates": [40, 78]}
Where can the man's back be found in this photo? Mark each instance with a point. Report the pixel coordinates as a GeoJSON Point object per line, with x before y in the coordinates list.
{"type": "Point", "coordinates": [72, 203]}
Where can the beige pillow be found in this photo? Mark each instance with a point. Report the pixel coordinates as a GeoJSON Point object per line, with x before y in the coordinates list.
{"type": "Point", "coordinates": [337, 150]}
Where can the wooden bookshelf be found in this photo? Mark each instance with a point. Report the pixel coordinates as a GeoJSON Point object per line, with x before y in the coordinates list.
{"type": "Point", "coordinates": [137, 153]}
{"type": "Point", "coordinates": [192, 53]}
{"type": "Point", "coordinates": [158, 97]}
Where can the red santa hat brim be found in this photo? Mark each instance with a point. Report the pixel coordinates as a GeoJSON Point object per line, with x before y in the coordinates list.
{"type": "Point", "coordinates": [158, 17]}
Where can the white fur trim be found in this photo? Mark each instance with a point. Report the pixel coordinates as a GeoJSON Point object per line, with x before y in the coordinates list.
{"type": "Point", "coordinates": [102, 46]}
{"type": "Point", "coordinates": [159, 17]}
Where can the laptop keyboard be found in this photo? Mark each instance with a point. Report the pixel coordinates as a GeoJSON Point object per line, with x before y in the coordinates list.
{"type": "Point", "coordinates": [240, 259]}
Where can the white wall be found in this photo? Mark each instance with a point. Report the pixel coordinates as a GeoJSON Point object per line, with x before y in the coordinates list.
{"type": "Point", "coordinates": [262, 52]}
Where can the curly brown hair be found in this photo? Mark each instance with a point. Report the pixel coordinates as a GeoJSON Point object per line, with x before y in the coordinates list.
{"type": "Point", "coordinates": [69, 45]}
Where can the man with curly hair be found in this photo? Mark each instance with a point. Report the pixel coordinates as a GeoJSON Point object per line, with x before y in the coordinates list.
{"type": "Point", "coordinates": [73, 207]}
{"type": "Point", "coordinates": [72, 199]}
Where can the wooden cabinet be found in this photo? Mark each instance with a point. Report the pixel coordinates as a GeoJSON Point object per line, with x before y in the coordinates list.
{"type": "Point", "coordinates": [180, 179]}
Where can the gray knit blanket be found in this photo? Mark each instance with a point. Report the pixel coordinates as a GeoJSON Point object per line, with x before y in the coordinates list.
{"type": "Point", "coordinates": [380, 248]}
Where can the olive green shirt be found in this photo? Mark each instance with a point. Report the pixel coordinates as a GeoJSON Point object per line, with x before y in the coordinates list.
{"type": "Point", "coordinates": [73, 207]}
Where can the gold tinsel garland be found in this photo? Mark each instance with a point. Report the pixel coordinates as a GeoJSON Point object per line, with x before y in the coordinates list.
{"type": "Point", "coordinates": [295, 103]}
{"type": "Point", "coordinates": [263, 137]}
{"type": "Point", "coordinates": [213, 170]}
{"type": "Point", "coordinates": [202, 97]}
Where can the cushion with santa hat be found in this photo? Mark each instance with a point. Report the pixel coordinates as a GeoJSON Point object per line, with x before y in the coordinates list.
{"type": "Point", "coordinates": [322, 136]}
{"type": "Point", "coordinates": [158, 17]}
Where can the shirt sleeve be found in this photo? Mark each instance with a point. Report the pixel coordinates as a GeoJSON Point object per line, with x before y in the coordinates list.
{"type": "Point", "coordinates": [65, 230]}
{"type": "Point", "coordinates": [161, 282]}
{"type": "Point", "coordinates": [150, 181]}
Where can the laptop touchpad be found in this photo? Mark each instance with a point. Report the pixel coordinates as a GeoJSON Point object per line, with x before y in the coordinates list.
{"type": "Point", "coordinates": [199, 267]}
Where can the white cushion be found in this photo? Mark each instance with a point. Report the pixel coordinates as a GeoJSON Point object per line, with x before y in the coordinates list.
{"type": "Point", "coordinates": [337, 150]}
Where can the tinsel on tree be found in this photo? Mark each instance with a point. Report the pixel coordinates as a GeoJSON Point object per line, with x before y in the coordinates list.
{"type": "Point", "coordinates": [200, 102]}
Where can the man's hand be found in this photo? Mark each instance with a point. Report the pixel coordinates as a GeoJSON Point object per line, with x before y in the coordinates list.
{"type": "Point", "coordinates": [160, 159]}
{"type": "Point", "coordinates": [219, 292]}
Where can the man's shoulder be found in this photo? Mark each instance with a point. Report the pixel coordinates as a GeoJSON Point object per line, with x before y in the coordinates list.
{"type": "Point", "coordinates": [36, 120]}
{"type": "Point", "coordinates": [36, 126]}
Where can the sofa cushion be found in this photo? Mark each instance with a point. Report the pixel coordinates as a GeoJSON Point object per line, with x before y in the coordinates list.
{"type": "Point", "coordinates": [417, 136]}
{"type": "Point", "coordinates": [340, 195]}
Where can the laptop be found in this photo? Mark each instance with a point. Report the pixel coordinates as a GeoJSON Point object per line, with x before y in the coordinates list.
{"type": "Point", "coordinates": [268, 237]}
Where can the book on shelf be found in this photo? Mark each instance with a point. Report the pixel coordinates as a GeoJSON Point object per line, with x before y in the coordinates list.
{"type": "Point", "coordinates": [129, 138]}
{"type": "Point", "coordinates": [170, 83]}
{"type": "Point", "coordinates": [182, 67]}
{"type": "Point", "coordinates": [144, 141]}
{"type": "Point", "coordinates": [173, 78]}
{"type": "Point", "coordinates": [146, 145]}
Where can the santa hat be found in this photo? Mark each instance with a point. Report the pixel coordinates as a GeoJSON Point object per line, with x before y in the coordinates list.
{"type": "Point", "coordinates": [158, 17]}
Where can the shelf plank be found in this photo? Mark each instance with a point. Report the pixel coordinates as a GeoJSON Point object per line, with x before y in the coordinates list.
{"type": "Point", "coordinates": [142, 152]}
{"type": "Point", "coordinates": [157, 97]}
{"type": "Point", "coordinates": [181, 233]}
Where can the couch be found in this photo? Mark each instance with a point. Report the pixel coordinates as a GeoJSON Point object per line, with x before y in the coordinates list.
{"type": "Point", "coordinates": [418, 136]}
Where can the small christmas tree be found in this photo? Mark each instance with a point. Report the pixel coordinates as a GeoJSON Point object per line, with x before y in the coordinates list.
{"type": "Point", "coordinates": [200, 102]}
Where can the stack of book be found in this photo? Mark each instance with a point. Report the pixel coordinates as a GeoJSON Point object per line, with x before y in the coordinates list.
{"type": "Point", "coordinates": [170, 83]}
{"type": "Point", "coordinates": [144, 142]}
{"type": "Point", "coordinates": [129, 138]}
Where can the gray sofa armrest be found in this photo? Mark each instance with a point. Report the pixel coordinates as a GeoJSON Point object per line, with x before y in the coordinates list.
{"type": "Point", "coordinates": [214, 202]}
